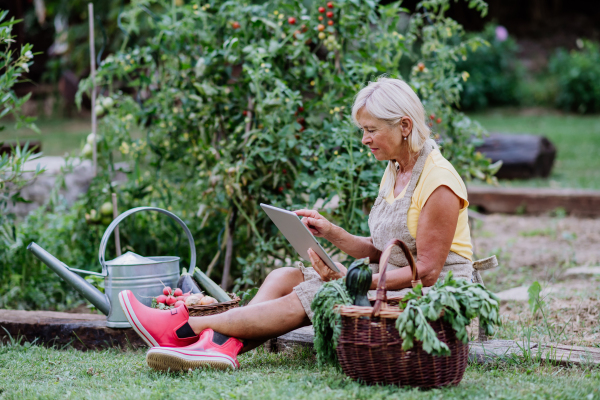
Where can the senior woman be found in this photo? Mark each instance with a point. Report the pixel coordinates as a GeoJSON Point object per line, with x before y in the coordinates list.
{"type": "Point", "coordinates": [422, 201]}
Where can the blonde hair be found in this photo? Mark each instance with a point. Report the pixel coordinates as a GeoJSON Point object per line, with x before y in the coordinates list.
{"type": "Point", "coordinates": [389, 100]}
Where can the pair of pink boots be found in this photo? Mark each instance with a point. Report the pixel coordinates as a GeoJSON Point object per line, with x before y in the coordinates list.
{"type": "Point", "coordinates": [173, 344]}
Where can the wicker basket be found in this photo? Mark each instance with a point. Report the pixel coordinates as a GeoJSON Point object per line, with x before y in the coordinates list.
{"type": "Point", "coordinates": [217, 308]}
{"type": "Point", "coordinates": [370, 347]}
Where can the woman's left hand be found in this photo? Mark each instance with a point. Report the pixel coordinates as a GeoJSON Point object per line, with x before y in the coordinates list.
{"type": "Point", "coordinates": [323, 270]}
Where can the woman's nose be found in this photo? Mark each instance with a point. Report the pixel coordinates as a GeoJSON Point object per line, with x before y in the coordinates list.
{"type": "Point", "coordinates": [366, 139]}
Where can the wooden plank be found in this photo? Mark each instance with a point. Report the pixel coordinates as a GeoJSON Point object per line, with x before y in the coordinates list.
{"type": "Point", "coordinates": [483, 352]}
{"type": "Point", "coordinates": [582, 203]}
{"type": "Point", "coordinates": [479, 352]}
{"type": "Point", "coordinates": [82, 331]}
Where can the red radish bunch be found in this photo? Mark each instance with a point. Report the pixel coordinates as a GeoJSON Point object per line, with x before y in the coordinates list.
{"type": "Point", "coordinates": [178, 292]}
{"type": "Point", "coordinates": [161, 299]}
{"type": "Point", "coordinates": [167, 290]}
{"type": "Point", "coordinates": [171, 300]}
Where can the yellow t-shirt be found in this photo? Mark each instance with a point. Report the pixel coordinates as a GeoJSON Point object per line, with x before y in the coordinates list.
{"type": "Point", "coordinates": [438, 172]}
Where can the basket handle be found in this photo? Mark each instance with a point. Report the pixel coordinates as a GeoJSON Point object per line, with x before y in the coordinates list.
{"type": "Point", "coordinates": [383, 261]}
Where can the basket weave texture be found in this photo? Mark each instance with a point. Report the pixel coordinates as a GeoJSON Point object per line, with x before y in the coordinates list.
{"type": "Point", "coordinates": [370, 347]}
{"type": "Point", "coordinates": [217, 308]}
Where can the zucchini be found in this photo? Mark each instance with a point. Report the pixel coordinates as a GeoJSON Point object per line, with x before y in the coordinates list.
{"type": "Point", "coordinates": [358, 282]}
{"type": "Point", "coordinates": [210, 287]}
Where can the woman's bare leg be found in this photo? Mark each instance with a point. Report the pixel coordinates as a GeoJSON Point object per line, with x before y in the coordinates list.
{"type": "Point", "coordinates": [279, 283]}
{"type": "Point", "coordinates": [275, 310]}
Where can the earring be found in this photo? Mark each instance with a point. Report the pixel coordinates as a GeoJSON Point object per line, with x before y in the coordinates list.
{"type": "Point", "coordinates": [405, 137]}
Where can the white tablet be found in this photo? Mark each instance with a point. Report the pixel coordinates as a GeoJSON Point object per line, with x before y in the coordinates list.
{"type": "Point", "coordinates": [297, 234]}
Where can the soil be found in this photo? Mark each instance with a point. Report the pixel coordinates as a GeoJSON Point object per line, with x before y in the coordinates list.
{"type": "Point", "coordinates": [542, 248]}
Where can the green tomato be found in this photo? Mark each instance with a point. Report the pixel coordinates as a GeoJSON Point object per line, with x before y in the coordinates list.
{"type": "Point", "coordinates": [99, 110]}
{"type": "Point", "coordinates": [87, 151]}
{"type": "Point", "coordinates": [106, 209]}
{"type": "Point", "coordinates": [94, 216]}
{"type": "Point", "coordinates": [106, 220]}
{"type": "Point", "coordinates": [108, 103]}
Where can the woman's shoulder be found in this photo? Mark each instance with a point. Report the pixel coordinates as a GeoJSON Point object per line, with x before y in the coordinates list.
{"type": "Point", "coordinates": [437, 165]}
{"type": "Point", "coordinates": [438, 172]}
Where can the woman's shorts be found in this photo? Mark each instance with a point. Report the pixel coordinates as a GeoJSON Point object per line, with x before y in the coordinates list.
{"type": "Point", "coordinates": [307, 290]}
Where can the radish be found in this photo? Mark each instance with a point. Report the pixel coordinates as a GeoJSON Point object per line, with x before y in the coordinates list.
{"type": "Point", "coordinates": [171, 300]}
{"type": "Point", "coordinates": [177, 292]}
{"type": "Point", "coordinates": [182, 298]}
{"type": "Point", "coordinates": [161, 299]}
{"type": "Point", "coordinates": [178, 303]}
{"type": "Point", "coordinates": [167, 291]}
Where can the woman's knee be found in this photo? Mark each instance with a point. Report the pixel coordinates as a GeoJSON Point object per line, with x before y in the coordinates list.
{"type": "Point", "coordinates": [288, 275]}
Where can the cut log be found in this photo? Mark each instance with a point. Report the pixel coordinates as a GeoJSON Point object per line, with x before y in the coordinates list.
{"type": "Point", "coordinates": [523, 156]}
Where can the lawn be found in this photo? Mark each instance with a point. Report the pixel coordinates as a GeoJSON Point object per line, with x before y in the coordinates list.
{"type": "Point", "coordinates": [38, 372]}
{"type": "Point", "coordinates": [58, 136]}
{"type": "Point", "coordinates": [576, 137]}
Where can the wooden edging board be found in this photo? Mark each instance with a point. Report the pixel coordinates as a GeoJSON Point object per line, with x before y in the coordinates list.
{"type": "Point", "coordinates": [89, 332]}
{"type": "Point", "coordinates": [489, 199]}
{"type": "Point", "coordinates": [49, 328]}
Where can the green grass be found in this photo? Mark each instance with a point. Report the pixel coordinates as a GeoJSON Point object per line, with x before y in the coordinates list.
{"type": "Point", "coordinates": [576, 137]}
{"type": "Point", "coordinates": [58, 136]}
{"type": "Point", "coordinates": [28, 372]}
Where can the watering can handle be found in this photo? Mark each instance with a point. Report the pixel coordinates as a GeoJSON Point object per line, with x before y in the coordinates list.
{"type": "Point", "coordinates": [127, 213]}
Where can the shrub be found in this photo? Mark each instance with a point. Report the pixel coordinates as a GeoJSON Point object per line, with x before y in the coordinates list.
{"type": "Point", "coordinates": [494, 72]}
{"type": "Point", "coordinates": [240, 104]}
{"type": "Point", "coordinates": [578, 76]}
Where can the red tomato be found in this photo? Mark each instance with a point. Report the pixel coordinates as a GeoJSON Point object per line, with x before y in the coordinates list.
{"type": "Point", "coordinates": [177, 292]}
{"type": "Point", "coordinates": [244, 113]}
{"type": "Point", "coordinates": [167, 291]}
{"type": "Point", "coordinates": [320, 18]}
{"type": "Point", "coordinates": [330, 4]}
{"type": "Point", "coordinates": [292, 20]}
{"type": "Point", "coordinates": [329, 14]}
{"type": "Point", "coordinates": [320, 27]}
{"type": "Point", "coordinates": [235, 25]}
{"type": "Point", "coordinates": [280, 189]}
{"type": "Point", "coordinates": [321, 9]}
{"type": "Point", "coordinates": [432, 117]}
{"type": "Point", "coordinates": [161, 299]}
{"type": "Point", "coordinates": [300, 109]}
{"type": "Point", "coordinates": [439, 121]}
{"type": "Point", "coordinates": [421, 66]}
{"type": "Point", "coordinates": [330, 22]}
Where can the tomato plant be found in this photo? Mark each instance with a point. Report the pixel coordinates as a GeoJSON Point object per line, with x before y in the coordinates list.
{"type": "Point", "coordinates": [219, 111]}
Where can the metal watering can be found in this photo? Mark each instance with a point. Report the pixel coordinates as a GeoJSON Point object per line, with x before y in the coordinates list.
{"type": "Point", "coordinates": [144, 276]}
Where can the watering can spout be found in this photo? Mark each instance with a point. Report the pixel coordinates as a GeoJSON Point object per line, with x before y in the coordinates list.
{"type": "Point", "coordinates": [88, 291]}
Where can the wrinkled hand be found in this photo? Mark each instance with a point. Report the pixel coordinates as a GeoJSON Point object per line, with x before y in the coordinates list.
{"type": "Point", "coordinates": [315, 222]}
{"type": "Point", "coordinates": [323, 270]}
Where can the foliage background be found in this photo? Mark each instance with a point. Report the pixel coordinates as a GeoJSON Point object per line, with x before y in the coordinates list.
{"type": "Point", "coordinates": [232, 117]}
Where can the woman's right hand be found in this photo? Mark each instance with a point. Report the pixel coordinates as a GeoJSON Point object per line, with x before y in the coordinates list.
{"type": "Point", "coordinates": [316, 223]}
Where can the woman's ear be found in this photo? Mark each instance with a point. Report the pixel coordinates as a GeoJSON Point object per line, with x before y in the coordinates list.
{"type": "Point", "coordinates": [406, 126]}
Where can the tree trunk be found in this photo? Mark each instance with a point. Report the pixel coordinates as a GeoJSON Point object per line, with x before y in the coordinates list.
{"type": "Point", "coordinates": [229, 250]}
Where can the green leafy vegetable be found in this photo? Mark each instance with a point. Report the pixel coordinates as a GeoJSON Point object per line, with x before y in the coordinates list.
{"type": "Point", "coordinates": [327, 322]}
{"type": "Point", "coordinates": [457, 302]}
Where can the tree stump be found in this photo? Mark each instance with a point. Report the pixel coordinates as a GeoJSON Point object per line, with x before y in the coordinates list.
{"type": "Point", "coordinates": [523, 156]}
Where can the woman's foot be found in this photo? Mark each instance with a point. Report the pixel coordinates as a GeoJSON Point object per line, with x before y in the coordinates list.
{"type": "Point", "coordinates": [158, 328]}
{"type": "Point", "coordinates": [212, 350]}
